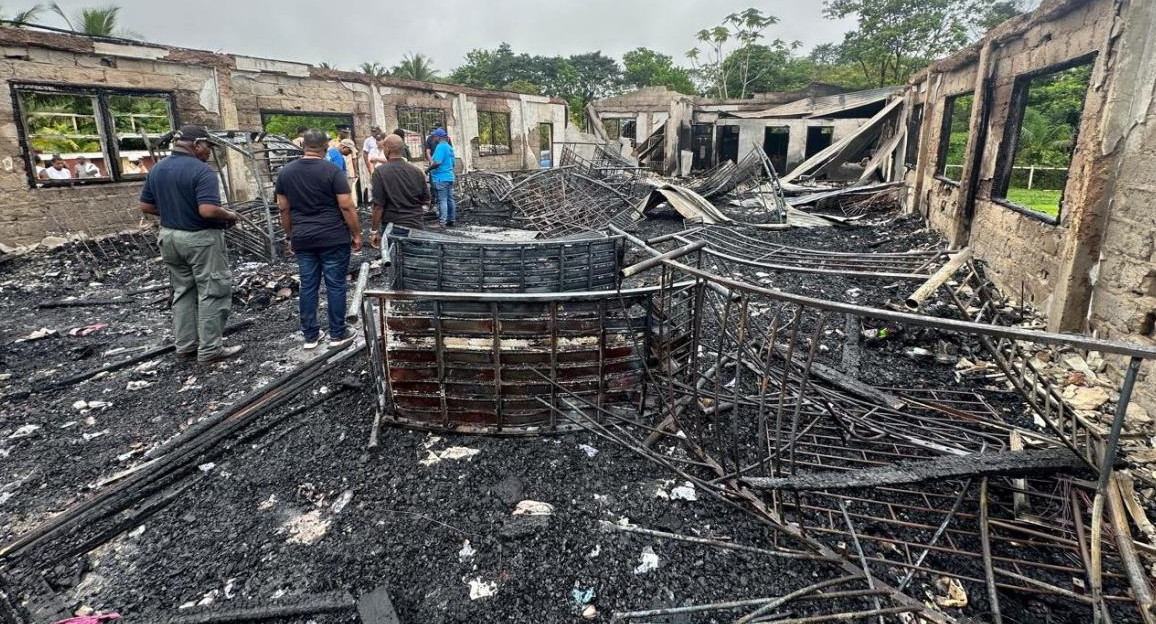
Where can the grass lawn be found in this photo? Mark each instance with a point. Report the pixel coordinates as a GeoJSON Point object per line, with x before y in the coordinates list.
{"type": "Point", "coordinates": [1040, 200]}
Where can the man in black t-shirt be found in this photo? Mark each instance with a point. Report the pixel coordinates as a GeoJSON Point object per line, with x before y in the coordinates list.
{"type": "Point", "coordinates": [320, 221]}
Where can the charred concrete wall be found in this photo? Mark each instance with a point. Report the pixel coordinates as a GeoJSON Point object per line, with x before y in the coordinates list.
{"type": "Point", "coordinates": [1092, 269]}
{"type": "Point", "coordinates": [221, 91]}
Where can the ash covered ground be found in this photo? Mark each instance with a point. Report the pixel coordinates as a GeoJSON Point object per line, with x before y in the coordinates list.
{"type": "Point", "coordinates": [304, 508]}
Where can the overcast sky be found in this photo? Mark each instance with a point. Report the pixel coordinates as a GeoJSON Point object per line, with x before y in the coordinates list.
{"type": "Point", "coordinates": [348, 33]}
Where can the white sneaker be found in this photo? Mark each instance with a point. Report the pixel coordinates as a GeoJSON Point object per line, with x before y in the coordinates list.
{"type": "Point", "coordinates": [311, 344]}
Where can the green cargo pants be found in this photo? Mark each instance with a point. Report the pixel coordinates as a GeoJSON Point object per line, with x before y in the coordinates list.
{"type": "Point", "coordinates": [202, 288]}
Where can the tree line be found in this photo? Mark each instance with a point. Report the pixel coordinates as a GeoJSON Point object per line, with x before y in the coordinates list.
{"type": "Point", "coordinates": [735, 58]}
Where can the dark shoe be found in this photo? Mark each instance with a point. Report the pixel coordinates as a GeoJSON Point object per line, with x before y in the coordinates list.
{"type": "Point", "coordinates": [339, 343]}
{"type": "Point", "coordinates": [187, 356]}
{"type": "Point", "coordinates": [223, 354]}
{"type": "Point", "coordinates": [449, 223]}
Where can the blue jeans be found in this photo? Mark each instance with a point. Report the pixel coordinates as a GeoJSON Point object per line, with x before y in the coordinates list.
{"type": "Point", "coordinates": [447, 207]}
{"type": "Point", "coordinates": [333, 263]}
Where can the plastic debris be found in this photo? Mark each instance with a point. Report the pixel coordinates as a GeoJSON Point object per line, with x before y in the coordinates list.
{"type": "Point", "coordinates": [533, 508]}
{"type": "Point", "coordinates": [87, 329]}
{"type": "Point", "coordinates": [647, 561]}
{"type": "Point", "coordinates": [453, 452]}
{"type": "Point", "coordinates": [482, 589]}
{"type": "Point", "coordinates": [306, 528]}
{"type": "Point", "coordinates": [91, 619]}
{"type": "Point", "coordinates": [341, 501]}
{"type": "Point", "coordinates": [206, 467]}
{"type": "Point", "coordinates": [589, 450]}
{"type": "Point", "coordinates": [684, 492]}
{"type": "Point", "coordinates": [23, 431]}
{"type": "Point", "coordinates": [137, 384]}
{"type": "Point", "coordinates": [582, 597]}
{"type": "Point", "coordinates": [594, 552]}
{"type": "Point", "coordinates": [467, 552]}
{"type": "Point", "coordinates": [953, 596]}
{"type": "Point", "coordinates": [39, 334]}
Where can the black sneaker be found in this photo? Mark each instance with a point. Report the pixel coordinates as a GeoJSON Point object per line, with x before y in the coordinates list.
{"type": "Point", "coordinates": [338, 343]}
{"type": "Point", "coordinates": [449, 223]}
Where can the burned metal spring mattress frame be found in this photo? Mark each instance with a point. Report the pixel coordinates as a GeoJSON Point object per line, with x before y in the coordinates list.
{"type": "Point", "coordinates": [457, 265]}
{"type": "Point", "coordinates": [493, 325]}
{"type": "Point", "coordinates": [486, 362]}
{"type": "Point", "coordinates": [749, 380]}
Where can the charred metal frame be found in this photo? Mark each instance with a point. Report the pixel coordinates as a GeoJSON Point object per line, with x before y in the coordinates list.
{"type": "Point", "coordinates": [731, 245]}
{"type": "Point", "coordinates": [561, 202]}
{"type": "Point", "coordinates": [258, 231]}
{"type": "Point", "coordinates": [484, 362]}
{"type": "Point", "coordinates": [489, 266]}
{"type": "Point", "coordinates": [747, 387]}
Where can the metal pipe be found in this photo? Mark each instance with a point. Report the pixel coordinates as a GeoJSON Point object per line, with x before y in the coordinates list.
{"type": "Point", "coordinates": [353, 312]}
{"type": "Point", "coordinates": [654, 261]}
{"type": "Point", "coordinates": [951, 325]}
{"type": "Point", "coordinates": [937, 279]}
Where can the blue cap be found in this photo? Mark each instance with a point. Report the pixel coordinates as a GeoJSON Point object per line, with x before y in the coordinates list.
{"type": "Point", "coordinates": [439, 132]}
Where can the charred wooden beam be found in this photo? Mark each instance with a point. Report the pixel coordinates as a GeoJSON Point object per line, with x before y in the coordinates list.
{"type": "Point", "coordinates": [1002, 464]}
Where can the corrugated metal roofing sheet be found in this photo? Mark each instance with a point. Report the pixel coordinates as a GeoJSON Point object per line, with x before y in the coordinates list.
{"type": "Point", "coordinates": [823, 106]}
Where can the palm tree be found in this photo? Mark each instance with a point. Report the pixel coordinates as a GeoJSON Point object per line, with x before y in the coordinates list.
{"type": "Point", "coordinates": [374, 69]}
{"type": "Point", "coordinates": [326, 65]}
{"type": "Point", "coordinates": [415, 67]}
{"type": "Point", "coordinates": [27, 16]}
{"type": "Point", "coordinates": [99, 21]}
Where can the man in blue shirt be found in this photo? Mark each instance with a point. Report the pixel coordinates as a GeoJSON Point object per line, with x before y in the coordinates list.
{"type": "Point", "coordinates": [336, 155]}
{"type": "Point", "coordinates": [183, 191]}
{"type": "Point", "coordinates": [441, 169]}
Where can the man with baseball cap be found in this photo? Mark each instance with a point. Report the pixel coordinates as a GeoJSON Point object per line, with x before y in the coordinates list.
{"type": "Point", "coordinates": [441, 170]}
{"type": "Point", "coordinates": [184, 192]}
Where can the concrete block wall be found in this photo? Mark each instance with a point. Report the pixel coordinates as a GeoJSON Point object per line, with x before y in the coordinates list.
{"type": "Point", "coordinates": [227, 92]}
{"type": "Point", "coordinates": [27, 214]}
{"type": "Point", "coordinates": [1095, 270]}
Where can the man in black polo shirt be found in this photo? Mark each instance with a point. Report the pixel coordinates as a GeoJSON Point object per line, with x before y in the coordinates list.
{"type": "Point", "coordinates": [320, 221]}
{"type": "Point", "coordinates": [183, 191]}
{"type": "Point", "coordinates": [399, 191]}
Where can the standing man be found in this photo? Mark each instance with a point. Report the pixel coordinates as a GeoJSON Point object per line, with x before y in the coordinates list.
{"type": "Point", "coordinates": [183, 191]}
{"type": "Point", "coordinates": [441, 170]}
{"type": "Point", "coordinates": [348, 150]}
{"type": "Point", "coordinates": [85, 170]}
{"type": "Point", "coordinates": [399, 191]}
{"type": "Point", "coordinates": [370, 144]}
{"type": "Point", "coordinates": [320, 221]}
{"type": "Point", "coordinates": [335, 154]}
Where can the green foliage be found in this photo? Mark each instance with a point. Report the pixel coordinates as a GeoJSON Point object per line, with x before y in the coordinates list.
{"type": "Point", "coordinates": [28, 16]}
{"type": "Point", "coordinates": [374, 70]}
{"type": "Point", "coordinates": [1039, 200]}
{"type": "Point", "coordinates": [578, 78]}
{"type": "Point", "coordinates": [1052, 116]}
{"type": "Point", "coordinates": [415, 67]}
{"type": "Point", "coordinates": [958, 132]}
{"type": "Point", "coordinates": [646, 68]}
{"type": "Point", "coordinates": [895, 38]}
{"type": "Point", "coordinates": [743, 30]}
{"type": "Point", "coordinates": [759, 68]}
{"type": "Point", "coordinates": [60, 123]}
{"type": "Point", "coordinates": [286, 125]}
{"type": "Point", "coordinates": [99, 21]}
